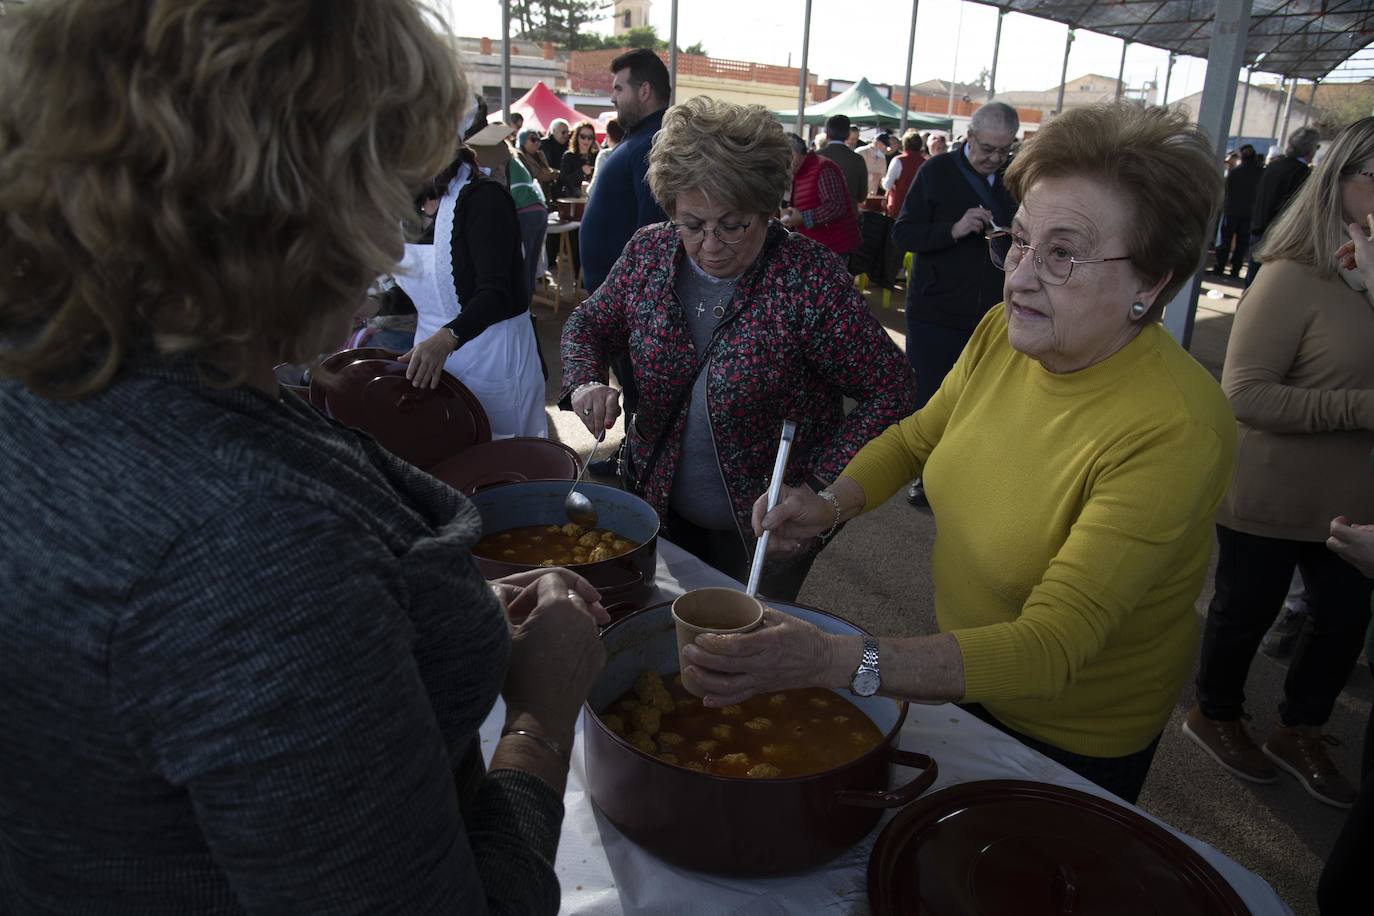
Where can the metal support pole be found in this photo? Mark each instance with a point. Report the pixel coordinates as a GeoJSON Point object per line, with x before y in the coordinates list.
{"type": "Point", "coordinates": [1244, 98]}
{"type": "Point", "coordinates": [910, 59]}
{"type": "Point", "coordinates": [1278, 111]}
{"type": "Point", "coordinates": [1121, 70]}
{"type": "Point", "coordinates": [1064, 74]}
{"type": "Point", "coordinates": [672, 56]}
{"type": "Point", "coordinates": [806, 49]}
{"type": "Point", "coordinates": [1225, 55]}
{"type": "Point", "coordinates": [954, 76]}
{"type": "Point", "coordinates": [1311, 100]}
{"type": "Point", "coordinates": [1168, 77]}
{"type": "Point", "coordinates": [505, 59]}
{"type": "Point", "coordinates": [1288, 110]}
{"type": "Point", "coordinates": [996, 49]}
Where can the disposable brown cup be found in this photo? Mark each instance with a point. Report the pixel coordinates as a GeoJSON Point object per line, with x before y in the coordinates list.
{"type": "Point", "coordinates": [711, 610]}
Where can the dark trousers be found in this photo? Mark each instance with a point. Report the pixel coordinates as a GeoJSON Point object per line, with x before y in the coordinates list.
{"type": "Point", "coordinates": [1234, 230]}
{"type": "Point", "coordinates": [1253, 574]}
{"type": "Point", "coordinates": [534, 224]}
{"type": "Point", "coordinates": [1124, 776]}
{"type": "Point", "coordinates": [932, 350]}
{"type": "Point", "coordinates": [1254, 265]}
{"type": "Point", "coordinates": [1344, 884]}
{"type": "Point", "coordinates": [723, 550]}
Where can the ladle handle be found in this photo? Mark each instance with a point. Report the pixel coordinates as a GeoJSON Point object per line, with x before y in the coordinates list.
{"type": "Point", "coordinates": [789, 432]}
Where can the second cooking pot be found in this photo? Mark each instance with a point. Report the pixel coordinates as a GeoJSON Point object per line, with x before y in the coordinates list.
{"type": "Point", "coordinates": [736, 826]}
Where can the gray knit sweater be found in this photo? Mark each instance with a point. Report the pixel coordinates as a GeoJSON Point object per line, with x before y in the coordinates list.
{"type": "Point", "coordinates": [244, 654]}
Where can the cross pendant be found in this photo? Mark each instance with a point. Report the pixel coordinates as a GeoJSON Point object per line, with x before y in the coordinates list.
{"type": "Point", "coordinates": [701, 309]}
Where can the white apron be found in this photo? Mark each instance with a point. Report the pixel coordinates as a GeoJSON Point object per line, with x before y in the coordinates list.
{"type": "Point", "coordinates": [501, 365]}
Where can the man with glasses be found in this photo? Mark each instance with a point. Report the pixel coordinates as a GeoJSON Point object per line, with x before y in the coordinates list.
{"type": "Point", "coordinates": [619, 202]}
{"type": "Point", "coordinates": [954, 199]}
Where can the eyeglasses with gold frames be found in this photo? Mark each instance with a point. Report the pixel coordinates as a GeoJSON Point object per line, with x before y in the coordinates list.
{"type": "Point", "coordinates": [1053, 267]}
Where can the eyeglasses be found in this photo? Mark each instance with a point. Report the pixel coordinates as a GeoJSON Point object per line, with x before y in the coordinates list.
{"type": "Point", "coordinates": [1054, 268]}
{"type": "Point", "coordinates": [729, 233]}
{"type": "Point", "coordinates": [997, 152]}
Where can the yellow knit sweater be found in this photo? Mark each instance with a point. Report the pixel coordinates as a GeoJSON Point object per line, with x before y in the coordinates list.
{"type": "Point", "coordinates": [1075, 527]}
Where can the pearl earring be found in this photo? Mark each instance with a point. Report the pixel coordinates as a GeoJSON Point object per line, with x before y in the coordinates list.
{"type": "Point", "coordinates": [1138, 310]}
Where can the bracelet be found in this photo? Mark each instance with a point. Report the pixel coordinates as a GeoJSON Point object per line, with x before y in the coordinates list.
{"type": "Point", "coordinates": [835, 504]}
{"type": "Point", "coordinates": [545, 740]}
{"type": "Point", "coordinates": [579, 388]}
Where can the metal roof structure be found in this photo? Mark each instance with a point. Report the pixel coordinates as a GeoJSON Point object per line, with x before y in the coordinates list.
{"type": "Point", "coordinates": [1295, 38]}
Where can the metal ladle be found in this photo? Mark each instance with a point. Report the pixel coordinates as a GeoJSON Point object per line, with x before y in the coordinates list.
{"type": "Point", "coordinates": [577, 506]}
{"type": "Point", "coordinates": [789, 432]}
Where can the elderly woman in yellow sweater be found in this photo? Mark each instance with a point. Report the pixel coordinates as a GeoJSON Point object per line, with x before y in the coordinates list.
{"type": "Point", "coordinates": [1074, 458]}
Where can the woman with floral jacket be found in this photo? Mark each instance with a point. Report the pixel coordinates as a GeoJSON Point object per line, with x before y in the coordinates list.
{"type": "Point", "coordinates": [733, 325]}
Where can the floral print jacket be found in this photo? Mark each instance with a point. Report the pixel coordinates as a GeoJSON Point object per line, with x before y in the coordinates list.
{"type": "Point", "coordinates": [795, 340]}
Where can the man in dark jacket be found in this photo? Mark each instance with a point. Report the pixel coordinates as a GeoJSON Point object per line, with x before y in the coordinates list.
{"type": "Point", "coordinates": [1241, 184]}
{"type": "Point", "coordinates": [955, 197]}
{"type": "Point", "coordinates": [620, 202]}
{"type": "Point", "coordinates": [1278, 184]}
{"type": "Point", "coordinates": [850, 162]}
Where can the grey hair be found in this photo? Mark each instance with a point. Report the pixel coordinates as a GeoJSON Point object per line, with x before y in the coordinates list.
{"type": "Point", "coordinates": [996, 116]}
{"type": "Point", "coordinates": [557, 123]}
{"type": "Point", "coordinates": [737, 155]}
{"type": "Point", "coordinates": [1303, 143]}
{"type": "Point", "coordinates": [1312, 226]}
{"type": "Point", "coordinates": [526, 134]}
{"type": "Point", "coordinates": [798, 144]}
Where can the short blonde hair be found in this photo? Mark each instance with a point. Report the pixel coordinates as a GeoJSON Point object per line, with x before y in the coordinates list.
{"type": "Point", "coordinates": [1312, 226]}
{"type": "Point", "coordinates": [1150, 155]}
{"type": "Point", "coordinates": [216, 178]}
{"type": "Point", "coordinates": [737, 155]}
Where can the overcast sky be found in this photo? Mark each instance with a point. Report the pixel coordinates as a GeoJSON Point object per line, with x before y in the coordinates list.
{"type": "Point", "coordinates": [868, 38]}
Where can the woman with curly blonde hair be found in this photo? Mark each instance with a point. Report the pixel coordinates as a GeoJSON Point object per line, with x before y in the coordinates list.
{"type": "Point", "coordinates": [246, 650]}
{"type": "Point", "coordinates": [733, 325]}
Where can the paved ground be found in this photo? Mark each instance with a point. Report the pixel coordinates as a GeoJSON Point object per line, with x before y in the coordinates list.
{"type": "Point", "coordinates": [878, 575]}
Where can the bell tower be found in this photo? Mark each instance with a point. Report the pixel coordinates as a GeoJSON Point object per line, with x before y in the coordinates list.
{"type": "Point", "coordinates": [631, 14]}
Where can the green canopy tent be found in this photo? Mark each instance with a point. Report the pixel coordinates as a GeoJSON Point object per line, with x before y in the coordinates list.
{"type": "Point", "coordinates": [864, 105]}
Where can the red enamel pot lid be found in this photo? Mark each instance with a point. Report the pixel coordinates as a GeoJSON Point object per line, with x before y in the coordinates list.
{"type": "Point", "coordinates": [420, 425]}
{"type": "Point", "coordinates": [507, 461]}
{"type": "Point", "coordinates": [1003, 846]}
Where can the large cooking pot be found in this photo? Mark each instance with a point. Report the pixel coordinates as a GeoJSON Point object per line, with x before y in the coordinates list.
{"type": "Point", "coordinates": [624, 581]}
{"type": "Point", "coordinates": [520, 458]}
{"type": "Point", "coordinates": [733, 826]}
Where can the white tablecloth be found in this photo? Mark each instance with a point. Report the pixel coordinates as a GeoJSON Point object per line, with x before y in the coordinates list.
{"type": "Point", "coordinates": [605, 874]}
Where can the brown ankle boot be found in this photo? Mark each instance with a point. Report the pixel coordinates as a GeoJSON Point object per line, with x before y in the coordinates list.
{"type": "Point", "coordinates": [1228, 743]}
{"type": "Point", "coordinates": [1300, 750]}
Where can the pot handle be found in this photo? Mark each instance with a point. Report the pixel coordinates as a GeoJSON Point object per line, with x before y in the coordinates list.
{"type": "Point", "coordinates": [895, 798]}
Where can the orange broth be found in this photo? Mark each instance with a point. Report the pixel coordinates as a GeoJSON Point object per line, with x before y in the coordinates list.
{"type": "Point", "coordinates": [770, 736]}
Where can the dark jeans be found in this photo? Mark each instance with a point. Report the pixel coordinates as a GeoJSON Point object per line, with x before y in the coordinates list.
{"type": "Point", "coordinates": [724, 550]}
{"type": "Point", "coordinates": [534, 223]}
{"type": "Point", "coordinates": [1237, 229]}
{"type": "Point", "coordinates": [1253, 575]}
{"type": "Point", "coordinates": [932, 350]}
{"type": "Point", "coordinates": [1122, 776]}
{"type": "Point", "coordinates": [1344, 884]}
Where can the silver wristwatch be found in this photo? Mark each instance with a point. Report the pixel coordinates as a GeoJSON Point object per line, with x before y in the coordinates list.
{"type": "Point", "coordinates": [867, 678]}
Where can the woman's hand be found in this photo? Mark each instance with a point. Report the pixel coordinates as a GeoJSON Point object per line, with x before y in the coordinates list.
{"type": "Point", "coordinates": [556, 656]}
{"type": "Point", "coordinates": [791, 217]}
{"type": "Point", "coordinates": [425, 361]}
{"type": "Point", "coordinates": [1358, 253]}
{"type": "Point", "coordinates": [782, 654]}
{"type": "Point", "coordinates": [799, 516]}
{"type": "Point", "coordinates": [598, 407]}
{"type": "Point", "coordinates": [1354, 544]}
{"type": "Point", "coordinates": [518, 596]}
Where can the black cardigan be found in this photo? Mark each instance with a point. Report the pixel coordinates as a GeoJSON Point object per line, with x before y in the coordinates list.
{"type": "Point", "coordinates": [488, 262]}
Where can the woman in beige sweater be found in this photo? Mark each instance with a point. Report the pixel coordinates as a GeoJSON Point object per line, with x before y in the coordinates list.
{"type": "Point", "coordinates": [1300, 379]}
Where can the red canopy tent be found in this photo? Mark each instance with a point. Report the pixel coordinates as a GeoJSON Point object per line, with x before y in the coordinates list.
{"type": "Point", "coordinates": [541, 108]}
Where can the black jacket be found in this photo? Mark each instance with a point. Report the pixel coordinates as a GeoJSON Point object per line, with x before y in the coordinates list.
{"type": "Point", "coordinates": [1241, 185]}
{"type": "Point", "coordinates": [952, 284]}
{"type": "Point", "coordinates": [1281, 179]}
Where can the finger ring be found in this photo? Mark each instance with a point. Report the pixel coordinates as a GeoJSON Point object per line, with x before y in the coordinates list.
{"type": "Point", "coordinates": [586, 411]}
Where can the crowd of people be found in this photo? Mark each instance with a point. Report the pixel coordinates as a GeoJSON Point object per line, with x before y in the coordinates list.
{"type": "Point", "coordinates": [248, 650]}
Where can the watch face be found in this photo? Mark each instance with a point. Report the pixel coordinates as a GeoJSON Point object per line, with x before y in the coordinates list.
{"type": "Point", "coordinates": [865, 683]}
